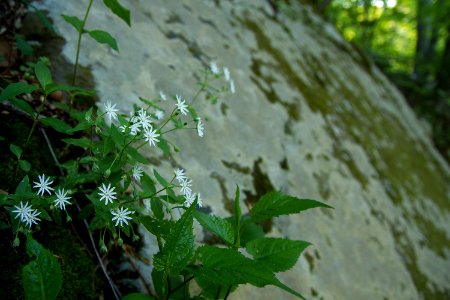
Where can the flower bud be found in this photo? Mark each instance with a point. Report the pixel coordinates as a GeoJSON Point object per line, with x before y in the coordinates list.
{"type": "Point", "coordinates": [107, 173]}
{"type": "Point", "coordinates": [103, 249]}
{"type": "Point", "coordinates": [16, 242]}
{"type": "Point", "coordinates": [136, 238]}
{"type": "Point", "coordinates": [120, 242]}
{"type": "Point", "coordinates": [68, 219]}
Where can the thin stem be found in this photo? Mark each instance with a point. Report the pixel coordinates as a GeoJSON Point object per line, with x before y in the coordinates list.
{"type": "Point", "coordinates": [80, 33]}
{"type": "Point", "coordinates": [202, 88]}
{"type": "Point", "coordinates": [182, 284]}
{"type": "Point", "coordinates": [218, 292]}
{"type": "Point", "coordinates": [168, 288]}
{"type": "Point", "coordinates": [228, 292]}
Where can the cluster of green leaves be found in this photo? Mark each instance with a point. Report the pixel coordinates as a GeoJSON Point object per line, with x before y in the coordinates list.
{"type": "Point", "coordinates": [109, 152]}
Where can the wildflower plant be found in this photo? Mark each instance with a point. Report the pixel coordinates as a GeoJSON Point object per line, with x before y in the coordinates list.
{"type": "Point", "coordinates": [111, 182]}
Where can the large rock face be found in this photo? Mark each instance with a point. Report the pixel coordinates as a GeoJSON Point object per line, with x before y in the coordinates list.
{"type": "Point", "coordinates": [312, 117]}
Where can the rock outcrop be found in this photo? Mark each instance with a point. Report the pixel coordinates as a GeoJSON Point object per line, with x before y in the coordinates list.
{"type": "Point", "coordinates": [312, 116]}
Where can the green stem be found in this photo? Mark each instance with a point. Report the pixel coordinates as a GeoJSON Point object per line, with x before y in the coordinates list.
{"type": "Point", "coordinates": [80, 33]}
{"type": "Point", "coordinates": [182, 284]}
{"type": "Point", "coordinates": [218, 292]}
{"type": "Point", "coordinates": [228, 292]}
{"type": "Point", "coordinates": [201, 89]}
{"type": "Point", "coordinates": [168, 288]}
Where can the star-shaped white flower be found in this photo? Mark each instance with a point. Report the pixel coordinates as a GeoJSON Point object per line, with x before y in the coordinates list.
{"type": "Point", "coordinates": [144, 119]}
{"type": "Point", "coordinates": [181, 105]}
{"type": "Point", "coordinates": [121, 216]}
{"type": "Point", "coordinates": [226, 73]}
{"type": "Point", "coordinates": [107, 193]}
{"type": "Point", "coordinates": [43, 185]}
{"type": "Point", "coordinates": [27, 214]}
{"type": "Point", "coordinates": [185, 186]}
{"type": "Point", "coordinates": [213, 67]}
{"type": "Point", "coordinates": [199, 200]}
{"type": "Point", "coordinates": [61, 199]}
{"type": "Point", "coordinates": [151, 136]}
{"type": "Point", "coordinates": [180, 175]}
{"type": "Point", "coordinates": [137, 173]}
{"type": "Point", "coordinates": [111, 110]}
{"type": "Point", "coordinates": [200, 127]}
{"type": "Point", "coordinates": [189, 198]}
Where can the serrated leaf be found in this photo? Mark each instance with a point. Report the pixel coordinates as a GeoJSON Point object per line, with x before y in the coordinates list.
{"type": "Point", "coordinates": [276, 254]}
{"type": "Point", "coordinates": [81, 142]}
{"type": "Point", "coordinates": [57, 124]}
{"type": "Point", "coordinates": [23, 105]}
{"type": "Point", "coordinates": [157, 208]}
{"type": "Point", "coordinates": [74, 21]}
{"type": "Point", "coordinates": [216, 225]}
{"type": "Point", "coordinates": [16, 150]}
{"type": "Point", "coordinates": [228, 267]}
{"type": "Point", "coordinates": [24, 165]}
{"type": "Point", "coordinates": [250, 231]}
{"type": "Point", "coordinates": [160, 228]}
{"type": "Point", "coordinates": [15, 89]}
{"type": "Point", "coordinates": [118, 10]}
{"type": "Point", "coordinates": [42, 277]}
{"type": "Point", "coordinates": [177, 250]}
{"type": "Point", "coordinates": [43, 74]}
{"type": "Point", "coordinates": [275, 204]}
{"type": "Point", "coordinates": [104, 37]}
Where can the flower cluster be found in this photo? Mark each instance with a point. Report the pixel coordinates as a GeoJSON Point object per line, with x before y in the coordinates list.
{"type": "Point", "coordinates": [27, 214]}
{"type": "Point", "coordinates": [226, 73]}
{"type": "Point", "coordinates": [185, 185]}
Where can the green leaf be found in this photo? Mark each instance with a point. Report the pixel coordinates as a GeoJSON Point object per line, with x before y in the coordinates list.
{"type": "Point", "coordinates": [137, 296]}
{"type": "Point", "coordinates": [16, 150]}
{"type": "Point", "coordinates": [275, 204]}
{"type": "Point", "coordinates": [33, 247]}
{"type": "Point", "coordinates": [250, 231]}
{"type": "Point", "coordinates": [135, 155]}
{"type": "Point", "coordinates": [23, 105]}
{"type": "Point", "coordinates": [43, 74]}
{"type": "Point", "coordinates": [42, 278]}
{"type": "Point", "coordinates": [148, 186]}
{"type": "Point", "coordinates": [81, 142]}
{"type": "Point", "coordinates": [104, 38]}
{"type": "Point", "coordinates": [80, 127]}
{"type": "Point", "coordinates": [68, 88]}
{"type": "Point", "coordinates": [24, 165]}
{"type": "Point", "coordinates": [23, 187]}
{"type": "Point", "coordinates": [216, 225]}
{"type": "Point", "coordinates": [164, 146]}
{"type": "Point", "coordinates": [228, 267]}
{"type": "Point", "coordinates": [157, 208]}
{"type": "Point", "coordinates": [15, 89]}
{"type": "Point", "coordinates": [56, 124]}
{"type": "Point", "coordinates": [23, 45]}
{"type": "Point", "coordinates": [177, 251]}
{"type": "Point", "coordinates": [160, 228]}
{"type": "Point", "coordinates": [118, 10]}
{"type": "Point", "coordinates": [276, 254]}
{"type": "Point", "coordinates": [237, 218]}
{"type": "Point", "coordinates": [160, 179]}
{"type": "Point", "coordinates": [74, 21]}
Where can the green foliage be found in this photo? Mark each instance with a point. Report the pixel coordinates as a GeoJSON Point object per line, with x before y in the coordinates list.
{"type": "Point", "coordinates": [275, 204]}
{"type": "Point", "coordinates": [110, 179]}
{"type": "Point", "coordinates": [42, 277]}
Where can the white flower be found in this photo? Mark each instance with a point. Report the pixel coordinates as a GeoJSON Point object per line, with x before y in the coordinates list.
{"type": "Point", "coordinates": [137, 173]}
{"type": "Point", "coordinates": [144, 119]}
{"type": "Point", "coordinates": [199, 200]}
{"type": "Point", "coordinates": [232, 89]}
{"type": "Point", "coordinates": [151, 136]}
{"type": "Point", "coordinates": [200, 127]}
{"type": "Point", "coordinates": [162, 95]}
{"type": "Point", "coordinates": [190, 198]}
{"type": "Point", "coordinates": [213, 67]}
{"type": "Point", "coordinates": [43, 185]}
{"type": "Point", "coordinates": [107, 194]}
{"type": "Point", "coordinates": [61, 199]}
{"type": "Point", "coordinates": [226, 73]}
{"type": "Point", "coordinates": [180, 175]}
{"type": "Point", "coordinates": [185, 186]}
{"type": "Point", "coordinates": [111, 110]}
{"type": "Point", "coordinates": [181, 105]}
{"type": "Point", "coordinates": [27, 214]}
{"type": "Point", "coordinates": [159, 114]}
{"type": "Point", "coordinates": [135, 128]}
{"type": "Point", "coordinates": [22, 211]}
{"type": "Point", "coordinates": [121, 216]}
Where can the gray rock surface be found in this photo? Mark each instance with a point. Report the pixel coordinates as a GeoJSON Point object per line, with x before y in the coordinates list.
{"type": "Point", "coordinates": [311, 117]}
